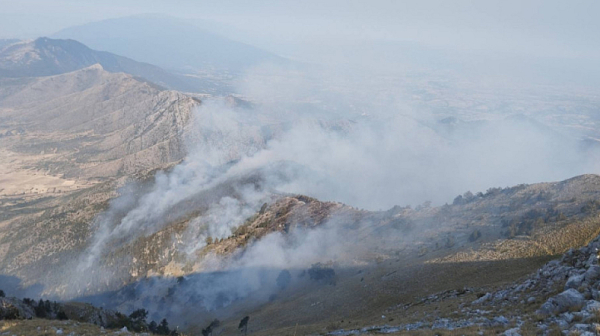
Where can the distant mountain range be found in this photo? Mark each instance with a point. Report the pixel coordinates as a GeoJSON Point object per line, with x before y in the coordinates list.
{"type": "Point", "coordinates": [169, 43]}
{"type": "Point", "coordinates": [5, 42]}
{"type": "Point", "coordinates": [47, 57]}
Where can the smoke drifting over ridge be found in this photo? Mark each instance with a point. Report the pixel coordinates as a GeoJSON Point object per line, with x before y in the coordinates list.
{"type": "Point", "coordinates": [240, 158]}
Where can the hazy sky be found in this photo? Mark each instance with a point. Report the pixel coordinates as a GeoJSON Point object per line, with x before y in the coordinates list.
{"type": "Point", "coordinates": [548, 27]}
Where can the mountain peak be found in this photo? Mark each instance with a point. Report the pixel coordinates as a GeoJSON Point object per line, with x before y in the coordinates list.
{"type": "Point", "coordinates": [96, 66]}
{"type": "Point", "coordinates": [47, 57]}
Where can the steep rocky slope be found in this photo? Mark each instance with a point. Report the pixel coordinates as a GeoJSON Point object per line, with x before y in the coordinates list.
{"type": "Point", "coordinates": [502, 224]}
{"type": "Point", "coordinates": [403, 263]}
{"type": "Point", "coordinates": [67, 142]}
{"type": "Point", "coordinates": [91, 123]}
{"type": "Point", "coordinates": [5, 42]}
{"type": "Point", "coordinates": [70, 141]}
{"type": "Point", "coordinates": [477, 284]}
{"type": "Point", "coordinates": [417, 267]}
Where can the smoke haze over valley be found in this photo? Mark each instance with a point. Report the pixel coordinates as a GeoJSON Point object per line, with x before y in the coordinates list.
{"type": "Point", "coordinates": [335, 169]}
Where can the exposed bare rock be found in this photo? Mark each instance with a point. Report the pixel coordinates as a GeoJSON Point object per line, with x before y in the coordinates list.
{"type": "Point", "coordinates": [94, 124]}
{"type": "Point", "coordinates": [569, 300]}
{"type": "Point", "coordinates": [13, 308]}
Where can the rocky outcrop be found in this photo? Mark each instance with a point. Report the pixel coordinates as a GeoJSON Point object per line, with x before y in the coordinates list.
{"type": "Point", "coordinates": [568, 289]}
{"type": "Point", "coordinates": [13, 308]}
{"type": "Point", "coordinates": [569, 300]}
{"type": "Point", "coordinates": [94, 124]}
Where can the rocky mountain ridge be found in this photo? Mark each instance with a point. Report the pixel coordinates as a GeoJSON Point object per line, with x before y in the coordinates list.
{"type": "Point", "coordinates": [47, 57]}
{"type": "Point", "coordinates": [91, 123]}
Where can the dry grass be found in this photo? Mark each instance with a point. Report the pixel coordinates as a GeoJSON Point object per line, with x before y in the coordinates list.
{"type": "Point", "coordinates": [475, 330]}
{"type": "Point", "coordinates": [41, 327]}
{"type": "Point", "coordinates": [353, 304]}
{"type": "Point", "coordinates": [47, 327]}
{"type": "Point", "coordinates": [595, 318]}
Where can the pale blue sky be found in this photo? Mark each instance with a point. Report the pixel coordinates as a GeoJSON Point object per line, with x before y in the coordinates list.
{"type": "Point", "coordinates": [550, 27]}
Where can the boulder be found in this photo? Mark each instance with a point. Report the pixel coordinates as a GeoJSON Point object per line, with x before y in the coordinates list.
{"type": "Point", "coordinates": [569, 300]}
{"type": "Point", "coordinates": [592, 274]}
{"type": "Point", "coordinates": [581, 327]}
{"type": "Point", "coordinates": [592, 260]}
{"type": "Point", "coordinates": [575, 281]}
{"type": "Point", "coordinates": [512, 332]}
{"type": "Point", "coordinates": [483, 299]}
{"type": "Point", "coordinates": [562, 324]}
{"type": "Point", "coordinates": [500, 320]}
{"type": "Point", "coordinates": [592, 306]}
{"type": "Point", "coordinates": [568, 317]}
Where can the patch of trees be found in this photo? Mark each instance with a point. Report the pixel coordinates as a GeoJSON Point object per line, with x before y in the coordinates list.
{"type": "Point", "coordinates": [469, 197]}
{"type": "Point", "coordinates": [9, 313]}
{"type": "Point", "coordinates": [136, 321]}
{"type": "Point", "coordinates": [425, 205]}
{"type": "Point", "coordinates": [446, 242]}
{"type": "Point", "coordinates": [402, 223]}
{"type": "Point", "coordinates": [590, 206]}
{"type": "Point", "coordinates": [552, 214]}
{"type": "Point", "coordinates": [46, 309]}
{"type": "Point", "coordinates": [476, 234]}
{"type": "Point", "coordinates": [211, 327]}
{"type": "Point", "coordinates": [41, 308]}
{"type": "Point", "coordinates": [283, 279]}
{"type": "Point", "coordinates": [530, 221]}
{"type": "Point", "coordinates": [449, 242]}
{"type": "Point", "coordinates": [162, 328]}
{"type": "Point", "coordinates": [543, 196]}
{"type": "Point", "coordinates": [492, 192]}
{"type": "Point", "coordinates": [243, 326]}
{"type": "Point", "coordinates": [525, 225]}
{"type": "Point", "coordinates": [322, 273]}
{"type": "Point", "coordinates": [464, 199]}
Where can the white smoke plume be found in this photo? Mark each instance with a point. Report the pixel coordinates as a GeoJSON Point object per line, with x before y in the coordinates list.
{"type": "Point", "coordinates": [240, 158]}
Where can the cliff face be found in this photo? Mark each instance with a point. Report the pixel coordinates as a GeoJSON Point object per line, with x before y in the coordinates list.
{"type": "Point", "coordinates": [68, 142]}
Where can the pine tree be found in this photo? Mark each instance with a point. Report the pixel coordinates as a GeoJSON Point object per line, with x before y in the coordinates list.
{"type": "Point", "coordinates": [244, 325]}
{"type": "Point", "coordinates": [163, 328]}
